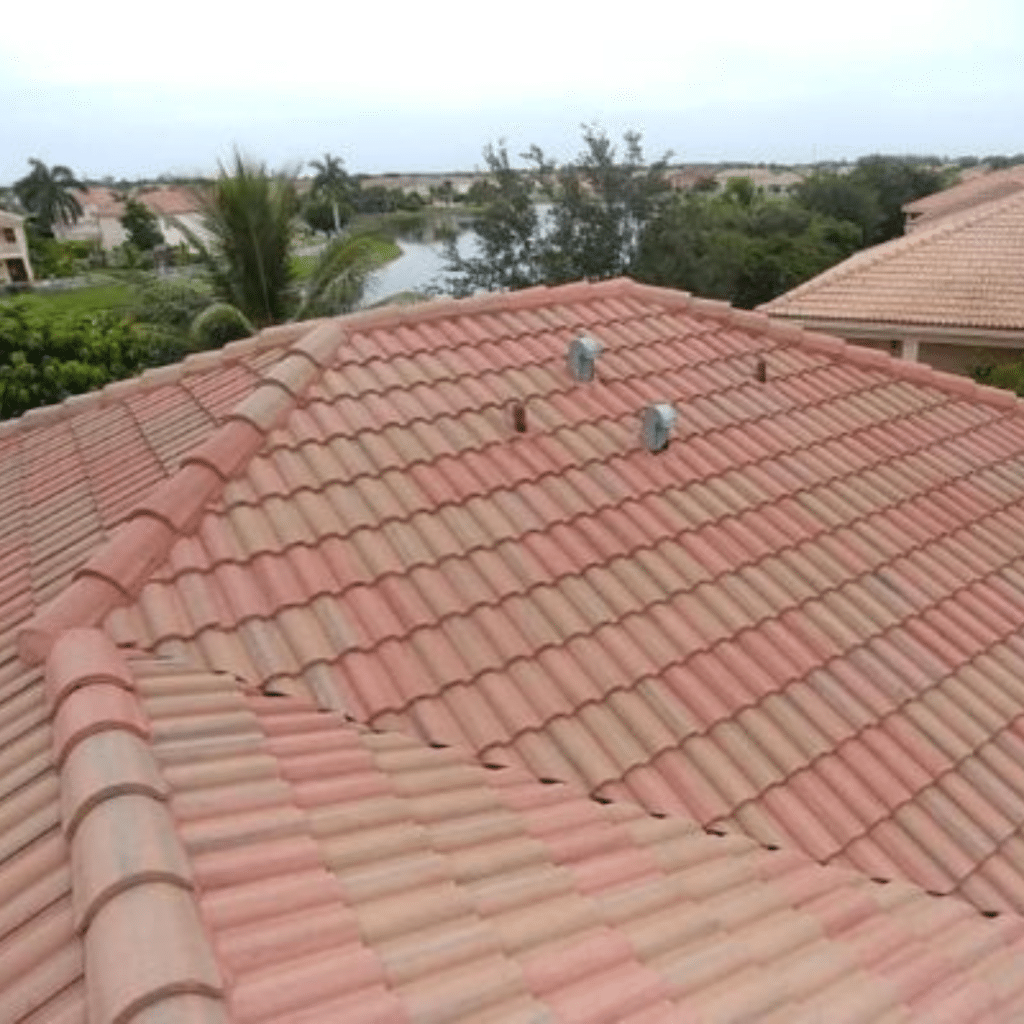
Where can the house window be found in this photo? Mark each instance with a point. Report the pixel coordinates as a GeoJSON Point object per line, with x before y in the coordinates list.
{"type": "Point", "coordinates": [16, 271]}
{"type": "Point", "coordinates": [10, 236]}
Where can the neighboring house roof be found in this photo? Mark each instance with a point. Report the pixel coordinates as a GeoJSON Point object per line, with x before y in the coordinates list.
{"type": "Point", "coordinates": [964, 271]}
{"type": "Point", "coordinates": [100, 201]}
{"type": "Point", "coordinates": [6, 217]}
{"type": "Point", "coordinates": [800, 623]}
{"type": "Point", "coordinates": [973, 191]}
{"type": "Point", "coordinates": [170, 201]}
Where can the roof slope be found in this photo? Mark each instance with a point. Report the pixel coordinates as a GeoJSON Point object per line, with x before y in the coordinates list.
{"type": "Point", "coordinates": [68, 475]}
{"type": "Point", "coordinates": [799, 622]}
{"type": "Point", "coordinates": [979, 188]}
{"type": "Point", "coordinates": [383, 880]}
{"type": "Point", "coordinates": [963, 271]}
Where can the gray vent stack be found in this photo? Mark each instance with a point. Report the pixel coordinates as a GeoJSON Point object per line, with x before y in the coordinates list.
{"type": "Point", "coordinates": [657, 426]}
{"type": "Point", "coordinates": [583, 353]}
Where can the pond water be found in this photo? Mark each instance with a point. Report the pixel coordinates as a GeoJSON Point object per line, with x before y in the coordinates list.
{"type": "Point", "coordinates": [421, 266]}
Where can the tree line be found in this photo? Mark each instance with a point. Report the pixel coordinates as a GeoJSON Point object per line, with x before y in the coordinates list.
{"type": "Point", "coordinates": [610, 212]}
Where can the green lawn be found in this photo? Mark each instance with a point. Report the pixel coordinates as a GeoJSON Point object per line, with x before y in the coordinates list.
{"type": "Point", "coordinates": [83, 300]}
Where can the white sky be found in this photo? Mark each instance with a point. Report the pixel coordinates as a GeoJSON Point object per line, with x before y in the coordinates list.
{"type": "Point", "coordinates": [131, 89]}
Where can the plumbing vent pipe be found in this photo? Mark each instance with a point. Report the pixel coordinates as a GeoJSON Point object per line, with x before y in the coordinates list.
{"type": "Point", "coordinates": [582, 357]}
{"type": "Point", "coordinates": [657, 425]}
{"type": "Point", "coordinates": [519, 417]}
{"type": "Point", "coordinates": [761, 371]}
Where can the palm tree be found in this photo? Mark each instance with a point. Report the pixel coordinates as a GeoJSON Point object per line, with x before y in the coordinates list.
{"type": "Point", "coordinates": [250, 214]}
{"type": "Point", "coordinates": [46, 193]}
{"type": "Point", "coordinates": [332, 184]}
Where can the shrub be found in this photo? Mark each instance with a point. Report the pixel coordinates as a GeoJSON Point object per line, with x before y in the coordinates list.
{"type": "Point", "coordinates": [218, 324]}
{"type": "Point", "coordinates": [170, 304]}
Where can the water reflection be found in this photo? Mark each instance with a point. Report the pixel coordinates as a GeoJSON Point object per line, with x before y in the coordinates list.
{"type": "Point", "coordinates": [421, 267]}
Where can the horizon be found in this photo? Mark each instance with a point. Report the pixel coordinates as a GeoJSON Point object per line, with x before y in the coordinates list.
{"type": "Point", "coordinates": [776, 84]}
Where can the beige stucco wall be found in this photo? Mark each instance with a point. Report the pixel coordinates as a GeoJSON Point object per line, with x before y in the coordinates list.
{"type": "Point", "coordinates": [18, 249]}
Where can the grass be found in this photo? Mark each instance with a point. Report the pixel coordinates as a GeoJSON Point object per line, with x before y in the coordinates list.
{"type": "Point", "coordinates": [386, 251]}
{"type": "Point", "coordinates": [83, 300]}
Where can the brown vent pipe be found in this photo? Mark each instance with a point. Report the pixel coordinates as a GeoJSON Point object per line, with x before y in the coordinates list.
{"type": "Point", "coordinates": [519, 417]}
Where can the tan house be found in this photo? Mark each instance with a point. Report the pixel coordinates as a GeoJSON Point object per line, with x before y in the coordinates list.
{"type": "Point", "coordinates": [950, 293]}
{"type": "Point", "coordinates": [175, 209]}
{"type": "Point", "coordinates": [15, 265]}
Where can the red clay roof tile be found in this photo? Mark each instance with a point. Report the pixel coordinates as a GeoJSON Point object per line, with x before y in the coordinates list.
{"type": "Point", "coordinates": [797, 621]}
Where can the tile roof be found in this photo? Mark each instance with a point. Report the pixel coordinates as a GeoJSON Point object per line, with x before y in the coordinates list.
{"type": "Point", "coordinates": [798, 626]}
{"type": "Point", "coordinates": [972, 191]}
{"type": "Point", "coordinates": [962, 271]}
{"type": "Point", "coordinates": [170, 200]}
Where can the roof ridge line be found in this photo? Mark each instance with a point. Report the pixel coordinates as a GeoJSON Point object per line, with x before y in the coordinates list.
{"type": "Point", "coordinates": [110, 784]}
{"type": "Point", "coordinates": [1013, 173]}
{"type": "Point", "coordinates": [504, 301]}
{"type": "Point", "coordinates": [117, 571]}
{"type": "Point", "coordinates": [892, 247]}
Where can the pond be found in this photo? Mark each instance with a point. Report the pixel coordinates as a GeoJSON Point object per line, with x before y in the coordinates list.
{"type": "Point", "coordinates": [421, 266]}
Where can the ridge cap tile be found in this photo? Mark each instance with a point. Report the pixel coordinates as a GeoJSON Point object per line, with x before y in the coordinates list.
{"type": "Point", "coordinates": [179, 500]}
{"type": "Point", "coordinates": [93, 709]}
{"type": "Point", "coordinates": [265, 407]}
{"type": "Point", "coordinates": [295, 372]}
{"type": "Point", "coordinates": [126, 840]}
{"type": "Point", "coordinates": [80, 657]}
{"type": "Point", "coordinates": [321, 344]}
{"type": "Point", "coordinates": [128, 559]}
{"type": "Point", "coordinates": [144, 946]}
{"type": "Point", "coordinates": [85, 602]}
{"type": "Point", "coordinates": [228, 448]}
{"type": "Point", "coordinates": [106, 765]}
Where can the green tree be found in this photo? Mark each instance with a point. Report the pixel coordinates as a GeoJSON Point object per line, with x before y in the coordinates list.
{"type": "Point", "coordinates": [896, 181]}
{"type": "Point", "coordinates": [843, 197]}
{"type": "Point", "coordinates": [720, 248]}
{"type": "Point", "coordinates": [600, 208]}
{"type": "Point", "coordinates": [251, 216]}
{"type": "Point", "coordinates": [872, 194]}
{"type": "Point", "coordinates": [318, 214]}
{"type": "Point", "coordinates": [596, 211]}
{"type": "Point", "coordinates": [508, 233]}
{"type": "Point", "coordinates": [47, 193]}
{"type": "Point", "coordinates": [250, 213]}
{"type": "Point", "coordinates": [332, 185]}
{"type": "Point", "coordinates": [142, 226]}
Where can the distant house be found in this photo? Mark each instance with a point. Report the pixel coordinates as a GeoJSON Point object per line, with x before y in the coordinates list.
{"type": "Point", "coordinates": [100, 221]}
{"type": "Point", "coordinates": [102, 209]}
{"type": "Point", "coordinates": [176, 209]}
{"type": "Point", "coordinates": [15, 265]}
{"type": "Point", "coordinates": [764, 179]}
{"type": "Point", "coordinates": [950, 293]}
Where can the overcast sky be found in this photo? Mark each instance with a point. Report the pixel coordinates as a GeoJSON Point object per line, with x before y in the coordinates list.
{"type": "Point", "coordinates": [133, 90]}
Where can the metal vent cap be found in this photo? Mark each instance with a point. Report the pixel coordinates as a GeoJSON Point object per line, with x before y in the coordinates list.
{"type": "Point", "coordinates": [582, 357]}
{"type": "Point", "coordinates": [657, 426]}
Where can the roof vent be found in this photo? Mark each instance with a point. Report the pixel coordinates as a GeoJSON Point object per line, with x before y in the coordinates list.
{"type": "Point", "coordinates": [583, 353]}
{"type": "Point", "coordinates": [761, 370]}
{"type": "Point", "coordinates": [519, 417]}
{"type": "Point", "coordinates": [658, 422]}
